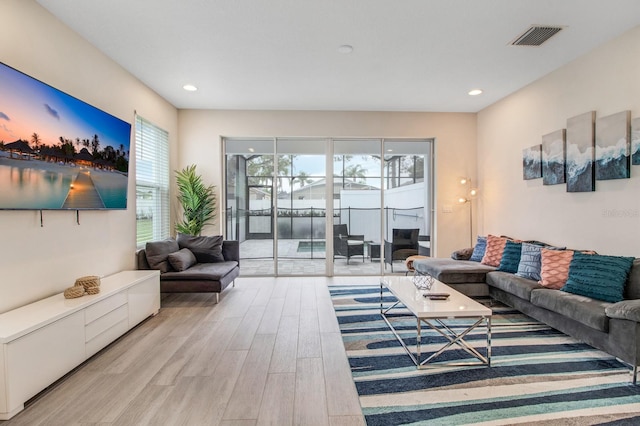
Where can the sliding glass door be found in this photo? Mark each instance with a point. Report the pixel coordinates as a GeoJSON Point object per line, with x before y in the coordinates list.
{"type": "Point", "coordinates": [357, 180]}
{"type": "Point", "coordinates": [303, 206]}
{"type": "Point", "coordinates": [407, 201]}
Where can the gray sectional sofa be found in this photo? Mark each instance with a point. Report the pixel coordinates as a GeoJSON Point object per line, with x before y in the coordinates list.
{"type": "Point", "coordinates": [192, 264]}
{"type": "Point", "coordinates": [611, 327]}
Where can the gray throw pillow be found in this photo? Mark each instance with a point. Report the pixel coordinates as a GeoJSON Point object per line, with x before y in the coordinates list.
{"type": "Point", "coordinates": [462, 254]}
{"type": "Point", "coordinates": [206, 249]}
{"type": "Point", "coordinates": [157, 253]}
{"type": "Point", "coordinates": [182, 259]}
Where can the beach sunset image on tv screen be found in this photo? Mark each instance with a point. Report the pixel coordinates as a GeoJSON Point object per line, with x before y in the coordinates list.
{"type": "Point", "coordinates": [57, 152]}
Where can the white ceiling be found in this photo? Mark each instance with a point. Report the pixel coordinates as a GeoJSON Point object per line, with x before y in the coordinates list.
{"type": "Point", "coordinates": [409, 55]}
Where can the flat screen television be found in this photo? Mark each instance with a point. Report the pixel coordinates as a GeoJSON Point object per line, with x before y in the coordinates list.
{"type": "Point", "coordinates": [58, 152]}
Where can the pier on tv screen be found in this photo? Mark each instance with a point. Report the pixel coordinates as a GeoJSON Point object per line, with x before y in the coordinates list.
{"type": "Point", "coordinates": [58, 152]}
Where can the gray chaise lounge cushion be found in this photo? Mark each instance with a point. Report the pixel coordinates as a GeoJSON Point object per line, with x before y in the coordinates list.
{"type": "Point", "coordinates": [585, 310]}
{"type": "Point", "coordinates": [451, 271]}
{"type": "Point", "coordinates": [202, 271]}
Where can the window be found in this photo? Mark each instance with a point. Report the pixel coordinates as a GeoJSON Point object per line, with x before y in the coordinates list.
{"type": "Point", "coordinates": [152, 182]}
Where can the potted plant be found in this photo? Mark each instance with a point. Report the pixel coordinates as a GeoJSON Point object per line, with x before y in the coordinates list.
{"type": "Point", "coordinates": [198, 201]}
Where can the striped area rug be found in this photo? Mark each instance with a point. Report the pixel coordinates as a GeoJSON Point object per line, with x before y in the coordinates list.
{"type": "Point", "coordinates": [538, 375]}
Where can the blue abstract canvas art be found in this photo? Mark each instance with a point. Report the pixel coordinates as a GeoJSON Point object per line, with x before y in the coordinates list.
{"type": "Point", "coordinates": [532, 162]}
{"type": "Point", "coordinates": [635, 141]}
{"type": "Point", "coordinates": [613, 146]}
{"type": "Point", "coordinates": [581, 153]}
{"type": "Point", "coordinates": [553, 158]}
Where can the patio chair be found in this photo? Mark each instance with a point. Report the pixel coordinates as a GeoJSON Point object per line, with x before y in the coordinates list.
{"type": "Point", "coordinates": [404, 243]}
{"type": "Point", "coordinates": [347, 245]}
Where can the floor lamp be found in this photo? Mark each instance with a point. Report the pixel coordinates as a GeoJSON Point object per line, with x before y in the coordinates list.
{"type": "Point", "coordinates": [471, 193]}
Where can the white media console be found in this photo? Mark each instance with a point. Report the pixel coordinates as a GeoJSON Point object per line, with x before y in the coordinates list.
{"type": "Point", "coordinates": [43, 341]}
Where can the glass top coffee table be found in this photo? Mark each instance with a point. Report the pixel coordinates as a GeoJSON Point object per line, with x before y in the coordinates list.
{"type": "Point", "coordinates": [436, 314]}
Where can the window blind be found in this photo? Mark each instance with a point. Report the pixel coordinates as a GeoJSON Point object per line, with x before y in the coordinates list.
{"type": "Point", "coordinates": [152, 182]}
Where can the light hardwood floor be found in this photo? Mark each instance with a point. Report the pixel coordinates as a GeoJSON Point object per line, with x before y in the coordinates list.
{"type": "Point", "coordinates": [270, 353]}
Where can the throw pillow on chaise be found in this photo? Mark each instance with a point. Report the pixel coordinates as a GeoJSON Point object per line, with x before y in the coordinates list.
{"type": "Point", "coordinates": [182, 259]}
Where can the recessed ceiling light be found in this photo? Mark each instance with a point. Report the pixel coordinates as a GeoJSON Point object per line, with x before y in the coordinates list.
{"type": "Point", "coordinates": [345, 48]}
{"type": "Point", "coordinates": [475, 92]}
{"type": "Point", "coordinates": [189, 87]}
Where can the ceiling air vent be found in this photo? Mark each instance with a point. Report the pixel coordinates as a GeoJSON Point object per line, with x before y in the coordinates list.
{"type": "Point", "coordinates": [536, 35]}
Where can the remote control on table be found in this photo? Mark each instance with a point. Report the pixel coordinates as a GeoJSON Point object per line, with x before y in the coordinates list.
{"type": "Point", "coordinates": [437, 296]}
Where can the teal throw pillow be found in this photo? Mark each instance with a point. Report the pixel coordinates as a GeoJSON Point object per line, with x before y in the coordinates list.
{"type": "Point", "coordinates": [479, 249]}
{"type": "Point", "coordinates": [510, 257]}
{"type": "Point", "coordinates": [599, 277]}
{"type": "Point", "coordinates": [530, 262]}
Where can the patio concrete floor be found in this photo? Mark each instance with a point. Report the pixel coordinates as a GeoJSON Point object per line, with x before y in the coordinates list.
{"type": "Point", "coordinates": [256, 259]}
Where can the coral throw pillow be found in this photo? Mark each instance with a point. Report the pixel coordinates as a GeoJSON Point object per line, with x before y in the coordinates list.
{"type": "Point", "coordinates": [495, 248]}
{"type": "Point", "coordinates": [555, 267]}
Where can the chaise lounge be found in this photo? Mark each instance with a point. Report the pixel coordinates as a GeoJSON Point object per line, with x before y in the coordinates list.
{"type": "Point", "coordinates": [191, 264]}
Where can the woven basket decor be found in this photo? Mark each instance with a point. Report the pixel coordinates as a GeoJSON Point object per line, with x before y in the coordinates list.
{"type": "Point", "coordinates": [90, 283]}
{"type": "Point", "coordinates": [73, 292]}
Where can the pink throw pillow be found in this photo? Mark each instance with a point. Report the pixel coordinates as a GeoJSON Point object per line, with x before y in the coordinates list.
{"type": "Point", "coordinates": [494, 251]}
{"type": "Point", "coordinates": [555, 267]}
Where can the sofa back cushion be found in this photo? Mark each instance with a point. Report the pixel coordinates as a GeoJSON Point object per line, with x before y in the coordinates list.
{"type": "Point", "coordinates": [554, 271]}
{"type": "Point", "coordinates": [157, 253]}
{"type": "Point", "coordinates": [182, 259]}
{"type": "Point", "coordinates": [495, 248]}
{"type": "Point", "coordinates": [206, 249]}
{"type": "Point", "coordinates": [479, 249]}
{"type": "Point", "coordinates": [598, 277]}
{"type": "Point", "coordinates": [632, 289]}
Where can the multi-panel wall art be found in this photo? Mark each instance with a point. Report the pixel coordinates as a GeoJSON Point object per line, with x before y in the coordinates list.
{"type": "Point", "coordinates": [587, 151]}
{"type": "Point", "coordinates": [612, 146]}
{"type": "Point", "coordinates": [532, 162]}
{"type": "Point", "coordinates": [580, 153]}
{"type": "Point", "coordinates": [553, 158]}
{"type": "Point", "coordinates": [635, 141]}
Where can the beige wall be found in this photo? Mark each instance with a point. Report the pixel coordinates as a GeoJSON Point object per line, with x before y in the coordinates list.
{"type": "Point", "coordinates": [36, 262]}
{"type": "Point", "coordinates": [455, 152]}
{"type": "Point", "coordinates": [607, 220]}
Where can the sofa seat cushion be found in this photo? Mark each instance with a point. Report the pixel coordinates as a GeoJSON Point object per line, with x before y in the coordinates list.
{"type": "Point", "coordinates": [513, 284]}
{"type": "Point", "coordinates": [451, 271]}
{"type": "Point", "coordinates": [202, 271]}
{"type": "Point", "coordinates": [585, 310]}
